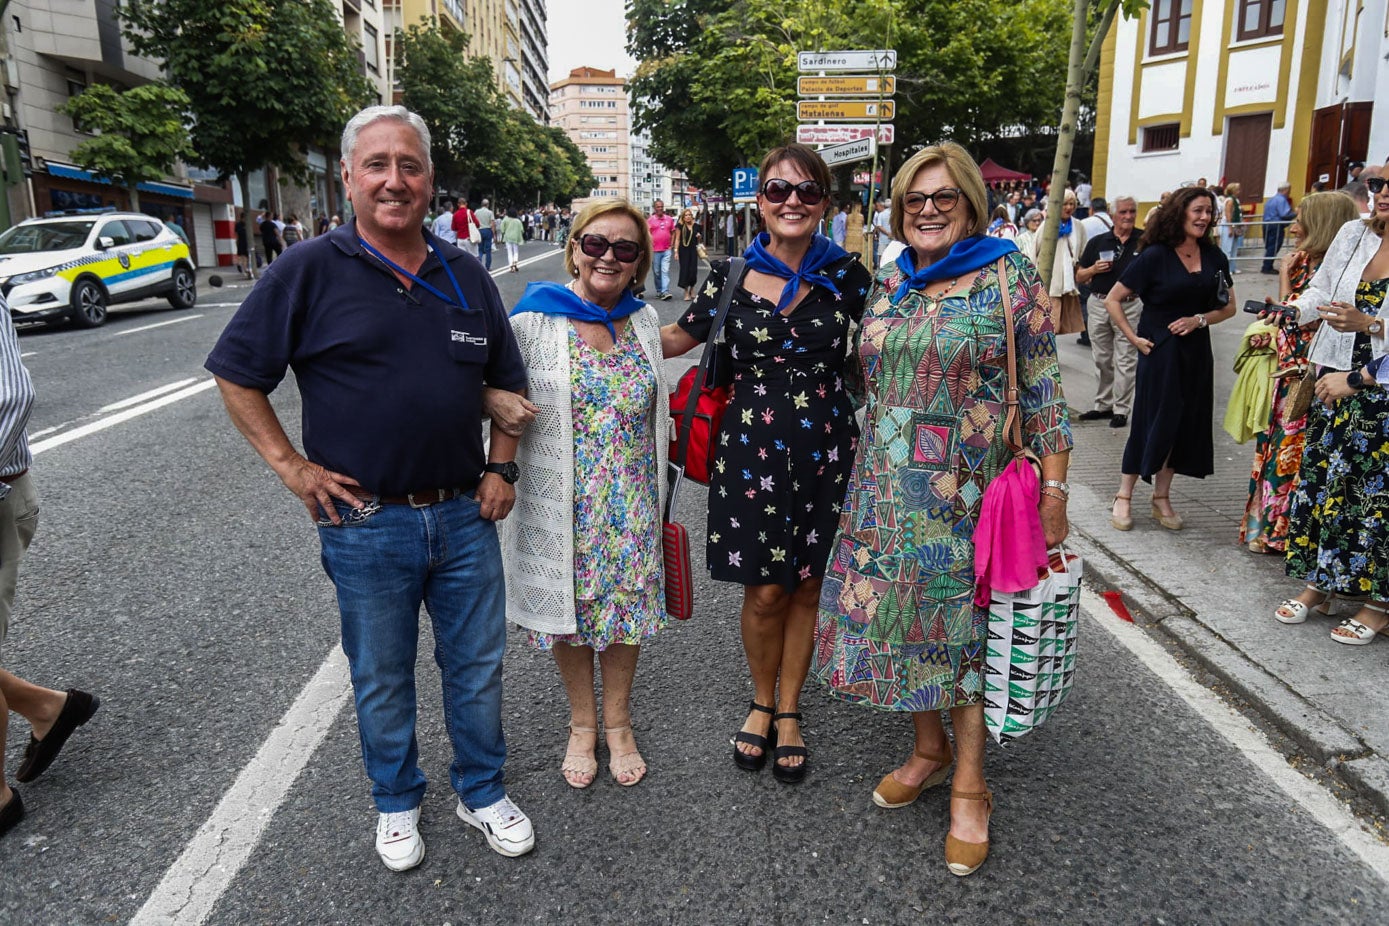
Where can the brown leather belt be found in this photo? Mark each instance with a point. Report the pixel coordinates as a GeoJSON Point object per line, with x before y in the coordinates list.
{"type": "Point", "coordinates": [421, 499]}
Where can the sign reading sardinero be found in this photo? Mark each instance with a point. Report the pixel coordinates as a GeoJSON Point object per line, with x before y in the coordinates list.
{"type": "Point", "coordinates": [882, 59]}
{"type": "Point", "coordinates": [835, 134]}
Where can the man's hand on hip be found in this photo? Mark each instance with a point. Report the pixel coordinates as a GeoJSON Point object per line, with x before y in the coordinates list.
{"type": "Point", "coordinates": [495, 497]}
{"type": "Point", "coordinates": [317, 487]}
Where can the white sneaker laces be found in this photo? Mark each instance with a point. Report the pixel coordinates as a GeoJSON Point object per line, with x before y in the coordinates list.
{"type": "Point", "coordinates": [399, 825]}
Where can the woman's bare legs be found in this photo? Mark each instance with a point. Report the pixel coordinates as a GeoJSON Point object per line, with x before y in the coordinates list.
{"type": "Point", "coordinates": [969, 820]}
{"type": "Point", "coordinates": [575, 665]}
{"type": "Point", "coordinates": [1123, 505]}
{"type": "Point", "coordinates": [931, 740]}
{"type": "Point", "coordinates": [619, 665]}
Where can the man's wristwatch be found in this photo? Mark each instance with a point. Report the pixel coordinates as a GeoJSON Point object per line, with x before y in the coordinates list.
{"type": "Point", "coordinates": [509, 471]}
{"type": "Point", "coordinates": [1355, 381]}
{"type": "Point", "coordinates": [1376, 328]}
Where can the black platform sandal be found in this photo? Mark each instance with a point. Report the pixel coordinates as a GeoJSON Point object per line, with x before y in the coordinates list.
{"type": "Point", "coordinates": [791, 774]}
{"type": "Point", "coordinates": [750, 762]}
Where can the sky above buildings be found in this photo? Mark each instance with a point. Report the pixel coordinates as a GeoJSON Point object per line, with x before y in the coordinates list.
{"type": "Point", "coordinates": [587, 33]}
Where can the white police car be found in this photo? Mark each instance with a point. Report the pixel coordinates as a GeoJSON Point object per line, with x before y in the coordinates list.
{"type": "Point", "coordinates": [74, 266]}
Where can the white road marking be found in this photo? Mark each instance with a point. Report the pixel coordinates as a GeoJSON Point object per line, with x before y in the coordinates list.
{"type": "Point", "coordinates": [210, 862]}
{"type": "Point", "coordinates": [109, 421]}
{"type": "Point", "coordinates": [43, 432]}
{"type": "Point", "coordinates": [172, 321]}
{"type": "Point", "coordinates": [1316, 800]}
{"type": "Point", "coordinates": [527, 261]}
{"type": "Point", "coordinates": [27, 353]}
{"type": "Point", "coordinates": [137, 399]}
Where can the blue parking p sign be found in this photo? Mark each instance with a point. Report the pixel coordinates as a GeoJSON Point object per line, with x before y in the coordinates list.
{"type": "Point", "coordinates": [744, 184]}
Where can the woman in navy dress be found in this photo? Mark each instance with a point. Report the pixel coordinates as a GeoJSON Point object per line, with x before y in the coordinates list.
{"type": "Point", "coordinates": [1178, 274]}
{"type": "Point", "coordinates": [787, 442]}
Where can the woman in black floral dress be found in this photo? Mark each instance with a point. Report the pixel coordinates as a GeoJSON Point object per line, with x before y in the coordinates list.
{"type": "Point", "coordinates": [787, 442]}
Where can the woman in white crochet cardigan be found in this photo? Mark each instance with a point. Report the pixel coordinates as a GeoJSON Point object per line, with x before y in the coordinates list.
{"type": "Point", "coordinates": [583, 544]}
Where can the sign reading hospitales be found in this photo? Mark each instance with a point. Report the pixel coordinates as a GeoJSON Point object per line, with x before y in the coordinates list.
{"type": "Point", "coordinates": [878, 60]}
{"type": "Point", "coordinates": [835, 134]}
{"type": "Point", "coordinates": [810, 110]}
{"type": "Point", "coordinates": [860, 149]}
{"type": "Point", "coordinates": [848, 85]}
{"type": "Point", "coordinates": [745, 184]}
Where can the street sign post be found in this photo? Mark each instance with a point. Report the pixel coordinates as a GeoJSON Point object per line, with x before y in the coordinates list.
{"type": "Point", "coordinates": [836, 134]}
{"type": "Point", "coordinates": [745, 184]}
{"type": "Point", "coordinates": [809, 110]}
{"type": "Point", "coordinates": [882, 59]}
{"type": "Point", "coordinates": [846, 153]}
{"type": "Point", "coordinates": [847, 85]}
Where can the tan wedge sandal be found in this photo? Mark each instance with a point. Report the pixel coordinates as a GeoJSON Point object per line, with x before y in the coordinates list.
{"type": "Point", "coordinates": [891, 793]}
{"type": "Point", "coordinates": [1173, 522]}
{"type": "Point", "coordinates": [964, 858]}
{"type": "Point", "coordinates": [1120, 524]}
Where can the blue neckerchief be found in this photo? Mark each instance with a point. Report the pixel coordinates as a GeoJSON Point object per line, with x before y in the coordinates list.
{"type": "Point", "coordinates": [462, 303]}
{"type": "Point", "coordinates": [1064, 229]}
{"type": "Point", "coordinates": [970, 254]}
{"type": "Point", "coordinates": [995, 225]}
{"type": "Point", "coordinates": [822, 252]}
{"type": "Point", "coordinates": [556, 299]}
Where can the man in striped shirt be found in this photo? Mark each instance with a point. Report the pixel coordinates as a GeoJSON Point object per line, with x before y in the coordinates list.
{"type": "Point", "coordinates": [52, 715]}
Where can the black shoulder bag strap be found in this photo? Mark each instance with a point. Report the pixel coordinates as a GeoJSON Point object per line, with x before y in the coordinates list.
{"type": "Point", "coordinates": [676, 466]}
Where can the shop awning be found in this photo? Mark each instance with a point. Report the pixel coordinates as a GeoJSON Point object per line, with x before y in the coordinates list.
{"type": "Point", "coordinates": [72, 172]}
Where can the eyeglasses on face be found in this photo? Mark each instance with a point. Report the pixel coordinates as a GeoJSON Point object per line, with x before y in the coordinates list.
{"type": "Point", "coordinates": [779, 191]}
{"type": "Point", "coordinates": [626, 252]}
{"type": "Point", "coordinates": [1376, 184]}
{"type": "Point", "coordinates": [944, 200]}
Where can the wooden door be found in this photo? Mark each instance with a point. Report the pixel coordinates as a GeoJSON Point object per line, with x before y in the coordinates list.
{"type": "Point", "coordinates": [1246, 154]}
{"type": "Point", "coordinates": [1325, 154]}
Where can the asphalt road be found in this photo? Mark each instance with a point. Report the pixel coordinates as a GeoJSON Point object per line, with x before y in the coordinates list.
{"type": "Point", "coordinates": [174, 576]}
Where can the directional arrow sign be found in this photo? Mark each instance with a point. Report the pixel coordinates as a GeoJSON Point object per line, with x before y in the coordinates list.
{"type": "Point", "coordinates": [858, 110]}
{"type": "Point", "coordinates": [849, 85]}
{"type": "Point", "coordinates": [882, 59]}
{"type": "Point", "coordinates": [834, 134]}
{"type": "Point", "coordinates": [859, 150]}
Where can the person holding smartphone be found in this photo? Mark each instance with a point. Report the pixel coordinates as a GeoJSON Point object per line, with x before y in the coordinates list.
{"type": "Point", "coordinates": [1338, 535]}
{"type": "Point", "coordinates": [1103, 262]}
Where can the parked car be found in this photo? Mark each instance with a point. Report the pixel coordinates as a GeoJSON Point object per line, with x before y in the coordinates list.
{"type": "Point", "coordinates": [74, 266]}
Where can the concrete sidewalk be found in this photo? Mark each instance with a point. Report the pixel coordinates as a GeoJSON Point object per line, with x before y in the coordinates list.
{"type": "Point", "coordinates": [1202, 589]}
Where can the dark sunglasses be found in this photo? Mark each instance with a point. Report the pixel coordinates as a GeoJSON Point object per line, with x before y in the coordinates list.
{"type": "Point", "coordinates": [1376, 184]}
{"type": "Point", "coordinates": [945, 200]}
{"type": "Point", "coordinates": [779, 191]}
{"type": "Point", "coordinates": [626, 252]}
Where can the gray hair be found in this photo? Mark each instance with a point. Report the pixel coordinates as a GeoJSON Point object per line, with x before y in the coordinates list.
{"type": "Point", "coordinates": [1032, 214]}
{"type": "Point", "coordinates": [375, 114]}
{"type": "Point", "coordinates": [1124, 198]}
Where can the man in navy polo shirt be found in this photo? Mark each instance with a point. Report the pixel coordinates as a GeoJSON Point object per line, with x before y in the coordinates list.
{"type": "Point", "coordinates": [392, 335]}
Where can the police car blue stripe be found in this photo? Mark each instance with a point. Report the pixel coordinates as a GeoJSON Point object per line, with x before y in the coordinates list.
{"type": "Point", "coordinates": [132, 274]}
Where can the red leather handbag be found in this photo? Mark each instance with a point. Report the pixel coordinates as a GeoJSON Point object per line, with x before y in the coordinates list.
{"type": "Point", "coordinates": [701, 408]}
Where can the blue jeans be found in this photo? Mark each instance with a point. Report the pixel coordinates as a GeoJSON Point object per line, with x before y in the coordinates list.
{"type": "Point", "coordinates": [384, 567]}
{"type": "Point", "coordinates": [1273, 241]}
{"type": "Point", "coordinates": [484, 250]}
{"type": "Point", "coordinates": [660, 269]}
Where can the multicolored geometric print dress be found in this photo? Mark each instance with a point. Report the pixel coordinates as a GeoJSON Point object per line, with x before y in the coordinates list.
{"type": "Point", "coordinates": [619, 597]}
{"type": "Point", "coordinates": [1338, 532]}
{"type": "Point", "coordinates": [788, 435]}
{"type": "Point", "coordinates": [898, 628]}
{"type": "Point", "coordinates": [1278, 451]}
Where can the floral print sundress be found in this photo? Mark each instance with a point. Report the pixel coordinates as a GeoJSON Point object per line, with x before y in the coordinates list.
{"type": "Point", "coordinates": [619, 597]}
{"type": "Point", "coordinates": [1338, 538]}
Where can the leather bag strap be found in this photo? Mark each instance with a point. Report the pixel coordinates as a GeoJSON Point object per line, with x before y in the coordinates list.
{"type": "Point", "coordinates": [676, 467]}
{"type": "Point", "coordinates": [1012, 425]}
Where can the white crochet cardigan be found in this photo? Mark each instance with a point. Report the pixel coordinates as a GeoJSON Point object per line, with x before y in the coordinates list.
{"type": "Point", "coordinates": [538, 538]}
{"type": "Point", "coordinates": [1335, 281]}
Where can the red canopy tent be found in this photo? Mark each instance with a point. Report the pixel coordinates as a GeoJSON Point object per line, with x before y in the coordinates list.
{"type": "Point", "coordinates": [995, 174]}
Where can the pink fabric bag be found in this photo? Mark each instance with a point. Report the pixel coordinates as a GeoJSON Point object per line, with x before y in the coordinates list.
{"type": "Point", "coordinates": [1010, 548]}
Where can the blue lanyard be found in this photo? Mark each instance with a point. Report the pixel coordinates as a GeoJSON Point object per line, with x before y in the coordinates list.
{"type": "Point", "coordinates": [462, 303]}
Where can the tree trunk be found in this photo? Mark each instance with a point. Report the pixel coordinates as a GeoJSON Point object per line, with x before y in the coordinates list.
{"type": "Point", "coordinates": [244, 181]}
{"type": "Point", "coordinates": [134, 198]}
{"type": "Point", "coordinates": [1065, 142]}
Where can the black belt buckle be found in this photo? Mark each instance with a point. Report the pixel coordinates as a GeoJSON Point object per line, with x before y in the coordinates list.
{"type": "Point", "coordinates": [440, 495]}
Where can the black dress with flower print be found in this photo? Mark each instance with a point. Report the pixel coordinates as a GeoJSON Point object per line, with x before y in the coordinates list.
{"type": "Point", "coordinates": [789, 435]}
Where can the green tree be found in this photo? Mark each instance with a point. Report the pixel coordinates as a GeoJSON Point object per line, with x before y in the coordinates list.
{"type": "Point", "coordinates": [140, 133]}
{"type": "Point", "coordinates": [457, 98]}
{"type": "Point", "coordinates": [716, 86]}
{"type": "Point", "coordinates": [264, 78]}
{"type": "Point", "coordinates": [1090, 23]}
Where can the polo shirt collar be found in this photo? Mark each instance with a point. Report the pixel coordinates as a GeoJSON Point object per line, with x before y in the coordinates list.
{"type": "Point", "coordinates": [346, 240]}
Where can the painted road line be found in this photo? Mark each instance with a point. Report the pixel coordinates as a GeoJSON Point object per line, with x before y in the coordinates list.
{"type": "Point", "coordinates": [527, 261]}
{"type": "Point", "coordinates": [145, 396]}
{"type": "Point", "coordinates": [210, 862]}
{"type": "Point", "coordinates": [1237, 730]}
{"type": "Point", "coordinates": [110, 421]}
{"type": "Point", "coordinates": [27, 353]}
{"type": "Point", "coordinates": [172, 321]}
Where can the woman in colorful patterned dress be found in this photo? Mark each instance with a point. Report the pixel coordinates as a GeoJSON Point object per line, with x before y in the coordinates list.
{"type": "Point", "coordinates": [787, 441]}
{"type": "Point", "coordinates": [1278, 451]}
{"type": "Point", "coordinates": [583, 545]}
{"type": "Point", "coordinates": [1338, 532]}
{"type": "Point", "coordinates": [898, 628]}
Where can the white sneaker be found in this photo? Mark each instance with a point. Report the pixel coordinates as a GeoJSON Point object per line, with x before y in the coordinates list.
{"type": "Point", "coordinates": [398, 839]}
{"type": "Point", "coordinates": [507, 828]}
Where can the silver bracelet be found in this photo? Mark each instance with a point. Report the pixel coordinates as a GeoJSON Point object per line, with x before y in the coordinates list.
{"type": "Point", "coordinates": [1064, 487]}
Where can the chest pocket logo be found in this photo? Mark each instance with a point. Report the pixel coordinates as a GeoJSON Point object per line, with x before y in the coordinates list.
{"type": "Point", "coordinates": [464, 337]}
